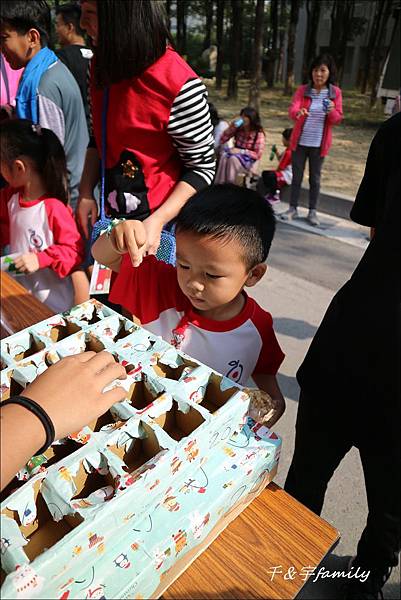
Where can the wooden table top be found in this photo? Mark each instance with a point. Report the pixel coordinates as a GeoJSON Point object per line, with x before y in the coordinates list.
{"type": "Point", "coordinates": [273, 531]}
{"type": "Point", "coordinates": [19, 308]}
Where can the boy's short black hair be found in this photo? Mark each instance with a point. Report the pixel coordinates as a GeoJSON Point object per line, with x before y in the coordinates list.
{"type": "Point", "coordinates": [231, 212]}
{"type": "Point", "coordinates": [71, 14]}
{"type": "Point", "coordinates": [22, 16]}
{"type": "Point", "coordinates": [287, 133]}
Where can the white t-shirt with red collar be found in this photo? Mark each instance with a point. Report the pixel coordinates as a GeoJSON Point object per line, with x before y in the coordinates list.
{"type": "Point", "coordinates": [237, 348]}
{"type": "Point", "coordinates": [47, 227]}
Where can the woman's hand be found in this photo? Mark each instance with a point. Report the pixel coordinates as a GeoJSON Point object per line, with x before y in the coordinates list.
{"type": "Point", "coordinates": [131, 237]}
{"type": "Point", "coordinates": [303, 112]}
{"type": "Point", "coordinates": [87, 208]}
{"type": "Point", "coordinates": [153, 226]}
{"type": "Point", "coordinates": [71, 391]}
{"type": "Point", "coordinates": [27, 263]}
{"type": "Point", "coordinates": [330, 106]}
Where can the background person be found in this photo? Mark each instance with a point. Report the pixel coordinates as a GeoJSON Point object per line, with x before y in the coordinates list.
{"type": "Point", "coordinates": [159, 134]}
{"type": "Point", "coordinates": [249, 143]}
{"type": "Point", "coordinates": [273, 181]}
{"type": "Point", "coordinates": [315, 108]}
{"type": "Point", "coordinates": [68, 404]}
{"type": "Point", "coordinates": [350, 378]}
{"type": "Point", "coordinates": [47, 93]}
{"type": "Point", "coordinates": [41, 226]}
{"type": "Point", "coordinates": [219, 126]}
{"type": "Point", "coordinates": [74, 52]}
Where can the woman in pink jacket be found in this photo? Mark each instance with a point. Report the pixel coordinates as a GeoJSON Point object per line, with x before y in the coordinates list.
{"type": "Point", "coordinates": [315, 108]}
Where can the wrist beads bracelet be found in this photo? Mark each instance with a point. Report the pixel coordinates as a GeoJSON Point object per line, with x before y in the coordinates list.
{"type": "Point", "coordinates": [40, 413]}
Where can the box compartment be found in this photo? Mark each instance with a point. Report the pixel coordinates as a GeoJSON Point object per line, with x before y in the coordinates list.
{"type": "Point", "coordinates": [139, 451]}
{"type": "Point", "coordinates": [60, 332]}
{"type": "Point", "coordinates": [20, 352]}
{"type": "Point", "coordinates": [179, 424]}
{"type": "Point", "coordinates": [214, 398]}
{"type": "Point", "coordinates": [175, 373]}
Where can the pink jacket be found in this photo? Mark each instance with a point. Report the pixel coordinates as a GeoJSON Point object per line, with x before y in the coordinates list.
{"type": "Point", "coordinates": [302, 99]}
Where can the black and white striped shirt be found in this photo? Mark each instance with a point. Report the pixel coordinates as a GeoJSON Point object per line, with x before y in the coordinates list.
{"type": "Point", "coordinates": [192, 133]}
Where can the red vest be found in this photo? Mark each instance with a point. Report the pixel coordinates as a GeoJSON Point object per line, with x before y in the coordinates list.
{"type": "Point", "coordinates": [137, 120]}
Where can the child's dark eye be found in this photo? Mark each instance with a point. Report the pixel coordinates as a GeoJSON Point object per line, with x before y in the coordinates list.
{"type": "Point", "coordinates": [183, 266]}
{"type": "Point", "coordinates": [213, 276]}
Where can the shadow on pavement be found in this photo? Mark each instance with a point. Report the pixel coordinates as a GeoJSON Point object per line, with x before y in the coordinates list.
{"type": "Point", "coordinates": [296, 328]}
{"type": "Point", "coordinates": [289, 386]}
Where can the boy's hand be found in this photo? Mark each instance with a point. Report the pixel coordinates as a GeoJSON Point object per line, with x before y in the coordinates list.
{"type": "Point", "coordinates": [27, 263]}
{"type": "Point", "coordinates": [130, 236]}
{"type": "Point", "coordinates": [268, 399]}
{"type": "Point", "coordinates": [153, 227]}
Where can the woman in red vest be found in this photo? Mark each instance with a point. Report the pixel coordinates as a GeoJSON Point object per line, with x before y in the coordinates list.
{"type": "Point", "coordinates": [159, 134]}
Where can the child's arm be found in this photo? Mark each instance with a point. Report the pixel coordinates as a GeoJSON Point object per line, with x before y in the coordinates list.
{"type": "Point", "coordinates": [127, 236]}
{"type": "Point", "coordinates": [268, 383]}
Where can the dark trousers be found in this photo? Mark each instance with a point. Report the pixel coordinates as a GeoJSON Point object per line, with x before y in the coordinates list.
{"type": "Point", "coordinates": [299, 157]}
{"type": "Point", "coordinates": [321, 443]}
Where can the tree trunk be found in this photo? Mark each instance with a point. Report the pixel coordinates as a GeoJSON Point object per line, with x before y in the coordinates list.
{"type": "Point", "coordinates": [341, 16]}
{"type": "Point", "coordinates": [289, 78]}
{"type": "Point", "coordinates": [380, 50]}
{"type": "Point", "coordinates": [235, 45]}
{"type": "Point", "coordinates": [182, 26]}
{"type": "Point", "coordinates": [219, 43]}
{"type": "Point", "coordinates": [281, 40]}
{"type": "Point", "coordinates": [168, 12]}
{"type": "Point", "coordinates": [209, 8]}
{"type": "Point", "coordinates": [313, 12]}
{"type": "Point", "coordinates": [272, 51]}
{"type": "Point", "coordinates": [371, 45]}
{"type": "Point", "coordinates": [254, 90]}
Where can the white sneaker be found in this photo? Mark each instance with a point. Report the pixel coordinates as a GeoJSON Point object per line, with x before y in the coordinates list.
{"type": "Point", "coordinates": [289, 215]}
{"type": "Point", "coordinates": [312, 218]}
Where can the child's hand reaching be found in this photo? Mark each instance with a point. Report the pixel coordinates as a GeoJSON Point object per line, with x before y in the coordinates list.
{"type": "Point", "coordinates": [27, 263]}
{"type": "Point", "coordinates": [130, 236]}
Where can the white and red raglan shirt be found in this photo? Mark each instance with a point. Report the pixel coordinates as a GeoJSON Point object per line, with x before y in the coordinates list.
{"type": "Point", "coordinates": [47, 227]}
{"type": "Point", "coordinates": [237, 348]}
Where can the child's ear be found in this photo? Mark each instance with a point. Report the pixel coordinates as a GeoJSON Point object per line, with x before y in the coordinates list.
{"type": "Point", "coordinates": [256, 274]}
{"type": "Point", "coordinates": [19, 167]}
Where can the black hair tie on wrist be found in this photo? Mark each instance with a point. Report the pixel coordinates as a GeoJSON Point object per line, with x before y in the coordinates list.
{"type": "Point", "coordinates": [40, 413]}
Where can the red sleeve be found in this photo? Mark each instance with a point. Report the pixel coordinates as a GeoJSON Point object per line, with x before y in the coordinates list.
{"type": "Point", "coordinates": [335, 116]}
{"type": "Point", "coordinates": [285, 160]}
{"type": "Point", "coordinates": [147, 290]}
{"type": "Point", "coordinates": [296, 103]}
{"type": "Point", "coordinates": [271, 356]}
{"type": "Point", "coordinates": [67, 251]}
{"type": "Point", "coordinates": [5, 195]}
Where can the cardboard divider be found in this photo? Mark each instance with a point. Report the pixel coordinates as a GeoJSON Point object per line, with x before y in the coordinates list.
{"type": "Point", "coordinates": [122, 332]}
{"type": "Point", "coordinates": [140, 451]}
{"type": "Point", "coordinates": [60, 332]}
{"type": "Point", "coordinates": [35, 345]}
{"type": "Point", "coordinates": [103, 420]}
{"type": "Point", "coordinates": [179, 424]}
{"type": "Point", "coordinates": [13, 388]}
{"type": "Point", "coordinates": [43, 532]}
{"type": "Point", "coordinates": [93, 343]}
{"type": "Point", "coordinates": [214, 398]}
{"type": "Point", "coordinates": [175, 373]}
{"type": "Point", "coordinates": [139, 395]}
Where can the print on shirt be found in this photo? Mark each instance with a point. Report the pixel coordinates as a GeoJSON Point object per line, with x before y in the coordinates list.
{"type": "Point", "coordinates": [126, 190]}
{"type": "Point", "coordinates": [235, 371]}
{"type": "Point", "coordinates": [35, 240]}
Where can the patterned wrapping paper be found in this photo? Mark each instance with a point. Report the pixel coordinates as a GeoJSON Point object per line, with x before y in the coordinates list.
{"type": "Point", "coordinates": [112, 509]}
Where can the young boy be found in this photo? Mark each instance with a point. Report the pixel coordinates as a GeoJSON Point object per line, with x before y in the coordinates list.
{"type": "Point", "coordinates": [223, 237]}
{"type": "Point", "coordinates": [273, 181]}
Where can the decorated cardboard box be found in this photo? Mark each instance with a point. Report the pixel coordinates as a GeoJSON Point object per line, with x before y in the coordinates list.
{"type": "Point", "coordinates": [120, 508]}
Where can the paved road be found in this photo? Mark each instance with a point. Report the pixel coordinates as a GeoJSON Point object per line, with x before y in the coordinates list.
{"type": "Point", "coordinates": [305, 270]}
